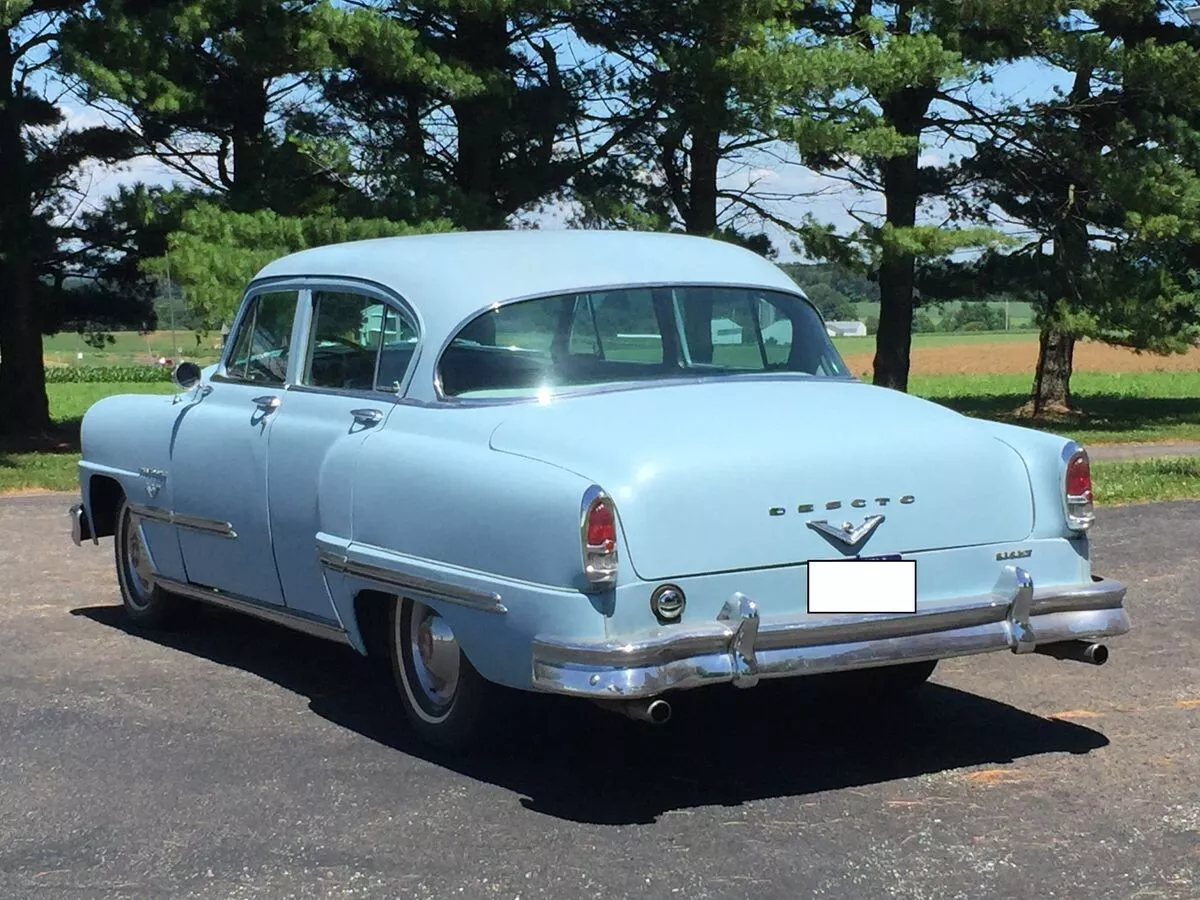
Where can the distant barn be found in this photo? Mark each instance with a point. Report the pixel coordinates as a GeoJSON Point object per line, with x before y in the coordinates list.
{"type": "Point", "coordinates": [846, 329]}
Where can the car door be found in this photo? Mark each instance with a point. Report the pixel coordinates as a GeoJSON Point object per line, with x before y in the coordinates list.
{"type": "Point", "coordinates": [219, 459]}
{"type": "Point", "coordinates": [358, 349]}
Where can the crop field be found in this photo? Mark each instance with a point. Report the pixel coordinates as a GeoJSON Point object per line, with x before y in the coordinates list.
{"type": "Point", "coordinates": [1008, 354]}
{"type": "Point", "coordinates": [131, 348]}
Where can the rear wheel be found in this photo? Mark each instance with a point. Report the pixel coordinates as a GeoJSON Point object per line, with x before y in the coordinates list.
{"type": "Point", "coordinates": [447, 703]}
{"type": "Point", "coordinates": [146, 603]}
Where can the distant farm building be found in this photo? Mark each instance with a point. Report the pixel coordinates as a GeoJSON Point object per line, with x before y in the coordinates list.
{"type": "Point", "coordinates": [726, 331]}
{"type": "Point", "coordinates": [846, 329]}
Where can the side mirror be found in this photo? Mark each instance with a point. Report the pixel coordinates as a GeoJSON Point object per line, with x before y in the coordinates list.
{"type": "Point", "coordinates": [186, 376]}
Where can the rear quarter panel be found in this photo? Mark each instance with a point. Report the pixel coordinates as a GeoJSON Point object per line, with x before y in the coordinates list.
{"type": "Point", "coordinates": [442, 506]}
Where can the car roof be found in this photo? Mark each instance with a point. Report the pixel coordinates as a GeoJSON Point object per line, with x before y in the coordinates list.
{"type": "Point", "coordinates": [449, 277]}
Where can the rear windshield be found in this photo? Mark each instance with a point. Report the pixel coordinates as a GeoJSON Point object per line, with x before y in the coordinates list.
{"type": "Point", "coordinates": [635, 334]}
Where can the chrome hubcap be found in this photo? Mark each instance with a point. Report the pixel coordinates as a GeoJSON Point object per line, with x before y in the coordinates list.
{"type": "Point", "coordinates": [433, 650]}
{"type": "Point", "coordinates": [140, 575]}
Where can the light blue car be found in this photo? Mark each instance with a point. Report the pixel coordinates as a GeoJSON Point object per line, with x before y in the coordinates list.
{"type": "Point", "coordinates": [571, 462]}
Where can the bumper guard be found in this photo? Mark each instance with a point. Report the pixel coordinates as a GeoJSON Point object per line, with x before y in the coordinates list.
{"type": "Point", "coordinates": [740, 647]}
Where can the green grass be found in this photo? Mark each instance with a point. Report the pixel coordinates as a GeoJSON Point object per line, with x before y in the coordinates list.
{"type": "Point", "coordinates": [1146, 480]}
{"type": "Point", "coordinates": [1118, 408]}
{"type": "Point", "coordinates": [38, 472]}
{"type": "Point", "coordinates": [1019, 313]}
{"type": "Point", "coordinates": [131, 347]}
{"type": "Point", "coordinates": [55, 469]}
{"type": "Point", "coordinates": [1115, 407]}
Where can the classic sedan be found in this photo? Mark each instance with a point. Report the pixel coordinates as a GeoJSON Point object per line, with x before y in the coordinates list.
{"type": "Point", "coordinates": [609, 465]}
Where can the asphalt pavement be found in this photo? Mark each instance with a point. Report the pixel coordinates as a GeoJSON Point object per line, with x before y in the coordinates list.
{"type": "Point", "coordinates": [237, 759]}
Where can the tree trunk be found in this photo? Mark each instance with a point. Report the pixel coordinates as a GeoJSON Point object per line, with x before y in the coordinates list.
{"type": "Point", "coordinates": [1052, 381]}
{"type": "Point", "coordinates": [24, 408]}
{"type": "Point", "coordinates": [1071, 263]}
{"type": "Point", "coordinates": [250, 147]}
{"type": "Point", "coordinates": [897, 267]}
{"type": "Point", "coordinates": [701, 215]}
{"type": "Point", "coordinates": [482, 41]}
{"type": "Point", "coordinates": [905, 110]}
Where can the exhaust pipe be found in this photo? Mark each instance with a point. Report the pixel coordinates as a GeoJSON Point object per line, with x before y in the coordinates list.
{"type": "Point", "coordinates": [1079, 651]}
{"type": "Point", "coordinates": [655, 711]}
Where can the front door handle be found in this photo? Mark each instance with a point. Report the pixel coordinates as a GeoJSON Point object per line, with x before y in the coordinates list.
{"type": "Point", "coordinates": [371, 416]}
{"type": "Point", "coordinates": [267, 401]}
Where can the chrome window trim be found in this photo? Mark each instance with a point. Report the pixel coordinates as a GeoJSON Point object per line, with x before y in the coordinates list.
{"type": "Point", "coordinates": [633, 385]}
{"type": "Point", "coordinates": [441, 398]}
{"type": "Point", "coordinates": [389, 298]}
{"type": "Point", "coordinates": [253, 292]}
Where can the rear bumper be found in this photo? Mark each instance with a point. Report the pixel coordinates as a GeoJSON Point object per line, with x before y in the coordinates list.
{"type": "Point", "coordinates": [739, 648]}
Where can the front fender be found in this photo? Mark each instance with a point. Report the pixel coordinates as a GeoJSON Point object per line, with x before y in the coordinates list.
{"type": "Point", "coordinates": [126, 440]}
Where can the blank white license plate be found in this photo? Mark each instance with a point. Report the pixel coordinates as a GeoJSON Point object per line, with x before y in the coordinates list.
{"type": "Point", "coordinates": [866, 586]}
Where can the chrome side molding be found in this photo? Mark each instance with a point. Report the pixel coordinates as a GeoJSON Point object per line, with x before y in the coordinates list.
{"type": "Point", "coordinates": [393, 579]}
{"type": "Point", "coordinates": [322, 628]}
{"type": "Point", "coordinates": [181, 520]}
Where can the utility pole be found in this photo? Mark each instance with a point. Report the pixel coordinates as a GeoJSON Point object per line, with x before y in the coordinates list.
{"type": "Point", "coordinates": [171, 302]}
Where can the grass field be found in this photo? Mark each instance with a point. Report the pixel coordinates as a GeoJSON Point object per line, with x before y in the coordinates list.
{"type": "Point", "coordinates": [1019, 314]}
{"type": "Point", "coordinates": [130, 348]}
{"type": "Point", "coordinates": [1117, 408]}
{"type": "Point", "coordinates": [55, 470]}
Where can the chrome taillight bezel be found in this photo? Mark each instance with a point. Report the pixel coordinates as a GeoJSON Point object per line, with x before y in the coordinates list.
{"type": "Point", "coordinates": [1078, 509]}
{"type": "Point", "coordinates": [600, 564]}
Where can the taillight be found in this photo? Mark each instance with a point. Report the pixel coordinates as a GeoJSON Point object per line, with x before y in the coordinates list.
{"type": "Point", "coordinates": [1077, 490]}
{"type": "Point", "coordinates": [598, 532]}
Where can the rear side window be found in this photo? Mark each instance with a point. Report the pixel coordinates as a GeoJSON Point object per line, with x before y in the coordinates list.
{"type": "Point", "coordinates": [577, 340]}
{"type": "Point", "coordinates": [259, 349]}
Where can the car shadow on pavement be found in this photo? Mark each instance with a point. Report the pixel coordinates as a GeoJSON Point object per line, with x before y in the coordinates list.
{"type": "Point", "coordinates": [572, 760]}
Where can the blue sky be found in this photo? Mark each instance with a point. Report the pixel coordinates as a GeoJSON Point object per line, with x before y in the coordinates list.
{"type": "Point", "coordinates": [829, 200]}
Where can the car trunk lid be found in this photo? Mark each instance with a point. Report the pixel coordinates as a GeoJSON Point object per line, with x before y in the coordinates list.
{"type": "Point", "coordinates": [732, 474]}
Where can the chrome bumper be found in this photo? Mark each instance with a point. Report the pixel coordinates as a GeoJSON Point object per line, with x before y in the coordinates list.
{"type": "Point", "coordinates": [81, 527]}
{"type": "Point", "coordinates": [740, 648]}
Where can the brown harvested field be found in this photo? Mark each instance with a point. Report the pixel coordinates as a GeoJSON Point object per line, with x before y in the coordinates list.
{"type": "Point", "coordinates": [1019, 358]}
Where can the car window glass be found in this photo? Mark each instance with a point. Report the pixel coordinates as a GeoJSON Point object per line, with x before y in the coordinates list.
{"type": "Point", "coordinates": [343, 343]}
{"type": "Point", "coordinates": [398, 342]}
{"type": "Point", "coordinates": [260, 347]}
{"type": "Point", "coordinates": [627, 326]}
{"type": "Point", "coordinates": [636, 334]}
{"type": "Point", "coordinates": [357, 342]}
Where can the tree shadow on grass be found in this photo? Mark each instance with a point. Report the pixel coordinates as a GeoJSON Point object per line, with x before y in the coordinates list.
{"type": "Point", "coordinates": [571, 760]}
{"type": "Point", "coordinates": [1098, 412]}
{"type": "Point", "coordinates": [63, 437]}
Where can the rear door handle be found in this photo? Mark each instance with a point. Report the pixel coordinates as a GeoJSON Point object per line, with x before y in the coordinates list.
{"type": "Point", "coordinates": [267, 401]}
{"type": "Point", "coordinates": [371, 416]}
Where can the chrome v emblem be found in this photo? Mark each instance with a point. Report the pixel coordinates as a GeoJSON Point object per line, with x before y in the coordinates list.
{"type": "Point", "coordinates": [848, 534]}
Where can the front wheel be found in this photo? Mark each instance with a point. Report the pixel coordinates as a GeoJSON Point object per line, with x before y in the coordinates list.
{"type": "Point", "coordinates": [447, 703]}
{"type": "Point", "coordinates": [146, 603]}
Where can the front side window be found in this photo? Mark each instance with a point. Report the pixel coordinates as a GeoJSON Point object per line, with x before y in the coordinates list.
{"type": "Point", "coordinates": [358, 343]}
{"type": "Point", "coordinates": [636, 334]}
{"type": "Point", "coordinates": [260, 345]}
